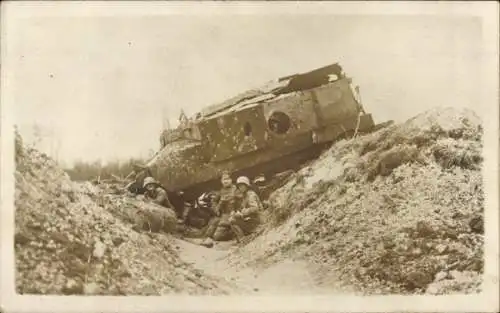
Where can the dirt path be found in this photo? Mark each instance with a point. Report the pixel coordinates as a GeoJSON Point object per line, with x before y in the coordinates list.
{"type": "Point", "coordinates": [285, 277]}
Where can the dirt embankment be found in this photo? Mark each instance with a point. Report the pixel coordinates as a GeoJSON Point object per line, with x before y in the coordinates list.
{"type": "Point", "coordinates": [69, 241]}
{"type": "Point", "coordinates": [396, 211]}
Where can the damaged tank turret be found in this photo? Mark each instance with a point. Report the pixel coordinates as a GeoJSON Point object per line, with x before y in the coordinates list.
{"type": "Point", "coordinates": [262, 131]}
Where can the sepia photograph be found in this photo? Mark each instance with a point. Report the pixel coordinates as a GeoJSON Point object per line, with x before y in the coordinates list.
{"type": "Point", "coordinates": [249, 156]}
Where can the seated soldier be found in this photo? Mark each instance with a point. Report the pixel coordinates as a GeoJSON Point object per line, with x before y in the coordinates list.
{"type": "Point", "coordinates": [219, 228]}
{"type": "Point", "coordinates": [155, 193]}
{"type": "Point", "coordinates": [246, 218]}
{"type": "Point", "coordinates": [139, 174]}
{"type": "Point", "coordinates": [199, 214]}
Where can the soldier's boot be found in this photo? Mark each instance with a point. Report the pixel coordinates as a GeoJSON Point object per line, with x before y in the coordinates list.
{"type": "Point", "coordinates": [238, 232]}
{"type": "Point", "coordinates": [185, 214]}
{"type": "Point", "coordinates": [221, 233]}
{"type": "Point", "coordinates": [210, 231]}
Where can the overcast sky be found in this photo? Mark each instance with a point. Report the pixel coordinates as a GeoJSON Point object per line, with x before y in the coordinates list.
{"type": "Point", "coordinates": [102, 82]}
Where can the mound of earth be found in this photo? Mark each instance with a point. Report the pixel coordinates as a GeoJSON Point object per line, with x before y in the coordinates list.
{"type": "Point", "coordinates": [396, 211]}
{"type": "Point", "coordinates": [400, 210]}
{"type": "Point", "coordinates": [69, 241]}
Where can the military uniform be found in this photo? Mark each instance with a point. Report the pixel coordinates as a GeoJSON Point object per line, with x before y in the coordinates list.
{"type": "Point", "coordinates": [249, 216]}
{"type": "Point", "coordinates": [139, 176]}
{"type": "Point", "coordinates": [199, 214]}
{"type": "Point", "coordinates": [159, 196]}
{"type": "Point", "coordinates": [219, 227]}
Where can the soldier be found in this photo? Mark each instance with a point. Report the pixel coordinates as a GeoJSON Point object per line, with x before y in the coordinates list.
{"type": "Point", "coordinates": [198, 215]}
{"type": "Point", "coordinates": [219, 228]}
{"type": "Point", "coordinates": [246, 218]}
{"type": "Point", "coordinates": [155, 193]}
{"type": "Point", "coordinates": [140, 173]}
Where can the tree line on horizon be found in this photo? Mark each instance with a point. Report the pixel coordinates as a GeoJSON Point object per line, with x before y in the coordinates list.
{"type": "Point", "coordinates": [80, 170]}
{"type": "Point", "coordinates": [85, 171]}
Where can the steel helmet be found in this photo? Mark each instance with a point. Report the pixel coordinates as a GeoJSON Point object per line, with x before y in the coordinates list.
{"type": "Point", "coordinates": [149, 180]}
{"type": "Point", "coordinates": [243, 180]}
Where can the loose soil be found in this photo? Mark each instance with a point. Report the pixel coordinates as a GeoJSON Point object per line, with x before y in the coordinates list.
{"type": "Point", "coordinates": [398, 211]}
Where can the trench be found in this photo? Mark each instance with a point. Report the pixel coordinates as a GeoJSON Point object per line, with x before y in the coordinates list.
{"type": "Point", "coordinates": [293, 274]}
{"type": "Point", "coordinates": [288, 276]}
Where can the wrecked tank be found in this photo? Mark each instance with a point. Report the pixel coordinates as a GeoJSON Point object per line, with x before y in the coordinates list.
{"type": "Point", "coordinates": [263, 131]}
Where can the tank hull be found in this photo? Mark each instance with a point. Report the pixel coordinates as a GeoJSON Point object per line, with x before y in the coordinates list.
{"type": "Point", "coordinates": [193, 176]}
{"type": "Point", "coordinates": [265, 131]}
